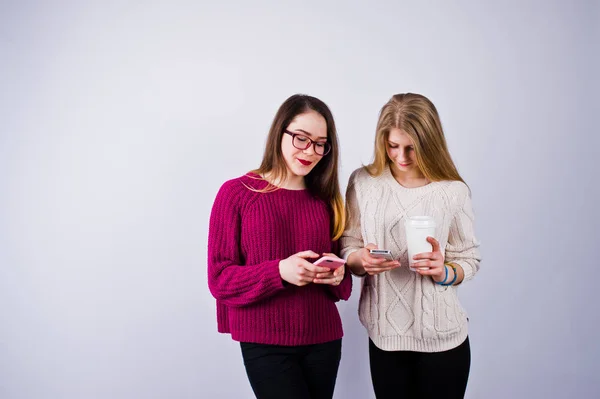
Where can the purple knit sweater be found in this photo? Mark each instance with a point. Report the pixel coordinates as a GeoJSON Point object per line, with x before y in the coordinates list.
{"type": "Point", "coordinates": [249, 234]}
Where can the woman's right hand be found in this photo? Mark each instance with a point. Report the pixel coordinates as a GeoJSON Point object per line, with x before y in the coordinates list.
{"type": "Point", "coordinates": [362, 262]}
{"type": "Point", "coordinates": [298, 271]}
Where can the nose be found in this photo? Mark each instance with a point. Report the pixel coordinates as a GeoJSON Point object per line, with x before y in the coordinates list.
{"type": "Point", "coordinates": [403, 155]}
{"type": "Point", "coordinates": [310, 150]}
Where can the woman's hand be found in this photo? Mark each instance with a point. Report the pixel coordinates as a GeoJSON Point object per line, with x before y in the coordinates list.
{"type": "Point", "coordinates": [298, 271]}
{"type": "Point", "coordinates": [362, 261]}
{"type": "Point", "coordinates": [431, 263]}
{"type": "Point", "coordinates": [331, 277]}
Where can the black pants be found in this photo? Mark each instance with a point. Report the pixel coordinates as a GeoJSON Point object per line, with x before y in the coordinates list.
{"type": "Point", "coordinates": [292, 372]}
{"type": "Point", "coordinates": [418, 375]}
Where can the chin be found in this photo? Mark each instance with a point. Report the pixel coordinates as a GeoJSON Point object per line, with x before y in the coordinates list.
{"type": "Point", "coordinates": [302, 173]}
{"type": "Point", "coordinates": [295, 171]}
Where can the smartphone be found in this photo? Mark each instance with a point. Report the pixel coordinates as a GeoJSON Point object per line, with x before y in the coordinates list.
{"type": "Point", "coordinates": [381, 253]}
{"type": "Point", "coordinates": [330, 262]}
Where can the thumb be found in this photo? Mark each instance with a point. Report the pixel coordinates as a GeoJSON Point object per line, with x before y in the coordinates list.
{"type": "Point", "coordinates": [371, 246]}
{"type": "Point", "coordinates": [435, 245]}
{"type": "Point", "coordinates": [307, 254]}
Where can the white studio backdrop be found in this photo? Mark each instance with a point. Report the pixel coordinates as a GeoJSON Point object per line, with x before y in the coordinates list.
{"type": "Point", "coordinates": [120, 120]}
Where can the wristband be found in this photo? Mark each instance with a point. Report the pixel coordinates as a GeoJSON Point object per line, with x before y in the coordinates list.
{"type": "Point", "coordinates": [444, 283]}
{"type": "Point", "coordinates": [445, 278]}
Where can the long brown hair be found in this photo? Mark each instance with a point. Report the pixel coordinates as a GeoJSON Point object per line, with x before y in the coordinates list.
{"type": "Point", "coordinates": [415, 115]}
{"type": "Point", "coordinates": [323, 180]}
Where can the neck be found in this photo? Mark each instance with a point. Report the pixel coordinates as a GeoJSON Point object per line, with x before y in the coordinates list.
{"type": "Point", "coordinates": [411, 179]}
{"type": "Point", "coordinates": [290, 182]}
{"type": "Point", "coordinates": [294, 183]}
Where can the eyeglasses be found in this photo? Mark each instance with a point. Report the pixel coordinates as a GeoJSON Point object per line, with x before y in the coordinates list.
{"type": "Point", "coordinates": [302, 142]}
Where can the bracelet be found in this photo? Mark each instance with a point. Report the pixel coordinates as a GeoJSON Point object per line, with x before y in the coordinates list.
{"type": "Point", "coordinates": [455, 275]}
{"type": "Point", "coordinates": [445, 278]}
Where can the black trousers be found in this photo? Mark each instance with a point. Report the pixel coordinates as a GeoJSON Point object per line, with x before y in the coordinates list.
{"type": "Point", "coordinates": [292, 372]}
{"type": "Point", "coordinates": [418, 375]}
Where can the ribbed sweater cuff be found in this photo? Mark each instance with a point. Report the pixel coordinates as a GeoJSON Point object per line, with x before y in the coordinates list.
{"type": "Point", "coordinates": [346, 252]}
{"type": "Point", "coordinates": [467, 269]}
{"type": "Point", "coordinates": [273, 276]}
{"type": "Point", "coordinates": [343, 290]}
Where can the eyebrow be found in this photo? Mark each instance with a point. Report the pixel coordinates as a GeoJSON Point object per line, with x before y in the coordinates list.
{"type": "Point", "coordinates": [310, 134]}
{"type": "Point", "coordinates": [391, 142]}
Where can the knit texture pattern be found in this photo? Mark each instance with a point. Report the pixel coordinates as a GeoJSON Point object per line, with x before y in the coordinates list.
{"type": "Point", "coordinates": [249, 234]}
{"type": "Point", "coordinates": [401, 309]}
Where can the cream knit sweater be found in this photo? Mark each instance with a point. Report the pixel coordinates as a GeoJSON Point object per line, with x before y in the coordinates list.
{"type": "Point", "coordinates": [401, 309]}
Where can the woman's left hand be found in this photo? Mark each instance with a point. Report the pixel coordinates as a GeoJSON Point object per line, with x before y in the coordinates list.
{"type": "Point", "coordinates": [333, 277]}
{"type": "Point", "coordinates": [433, 260]}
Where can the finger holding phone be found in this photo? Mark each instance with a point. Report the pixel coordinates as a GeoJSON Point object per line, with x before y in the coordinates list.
{"type": "Point", "coordinates": [336, 272]}
{"type": "Point", "coordinates": [297, 270]}
{"type": "Point", "coordinates": [364, 262]}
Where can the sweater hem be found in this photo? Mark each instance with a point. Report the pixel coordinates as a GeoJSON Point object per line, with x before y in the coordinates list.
{"type": "Point", "coordinates": [405, 343]}
{"type": "Point", "coordinates": [284, 341]}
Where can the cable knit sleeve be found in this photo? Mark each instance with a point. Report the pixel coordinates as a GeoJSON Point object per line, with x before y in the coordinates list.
{"type": "Point", "coordinates": [463, 247]}
{"type": "Point", "coordinates": [351, 239]}
{"type": "Point", "coordinates": [229, 280]}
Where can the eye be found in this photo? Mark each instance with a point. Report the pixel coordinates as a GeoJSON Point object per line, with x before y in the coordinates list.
{"type": "Point", "coordinates": [320, 145]}
{"type": "Point", "coordinates": [410, 148]}
{"type": "Point", "coordinates": [393, 146]}
{"type": "Point", "coordinates": [302, 139]}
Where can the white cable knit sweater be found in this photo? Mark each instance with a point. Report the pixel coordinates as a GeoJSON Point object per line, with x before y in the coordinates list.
{"type": "Point", "coordinates": [401, 309]}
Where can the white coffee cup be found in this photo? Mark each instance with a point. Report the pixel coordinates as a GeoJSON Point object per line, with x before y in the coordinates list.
{"type": "Point", "coordinates": [418, 228]}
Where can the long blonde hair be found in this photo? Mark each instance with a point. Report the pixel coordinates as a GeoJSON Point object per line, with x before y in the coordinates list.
{"type": "Point", "coordinates": [323, 180]}
{"type": "Point", "coordinates": [415, 115]}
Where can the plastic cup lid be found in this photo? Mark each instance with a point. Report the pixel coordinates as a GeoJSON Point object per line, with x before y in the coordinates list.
{"type": "Point", "coordinates": [420, 221]}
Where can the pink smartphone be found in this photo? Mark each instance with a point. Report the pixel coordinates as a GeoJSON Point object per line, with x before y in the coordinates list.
{"type": "Point", "coordinates": [330, 262]}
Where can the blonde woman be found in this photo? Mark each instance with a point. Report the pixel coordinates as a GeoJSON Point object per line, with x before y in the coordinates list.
{"type": "Point", "coordinates": [418, 343]}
